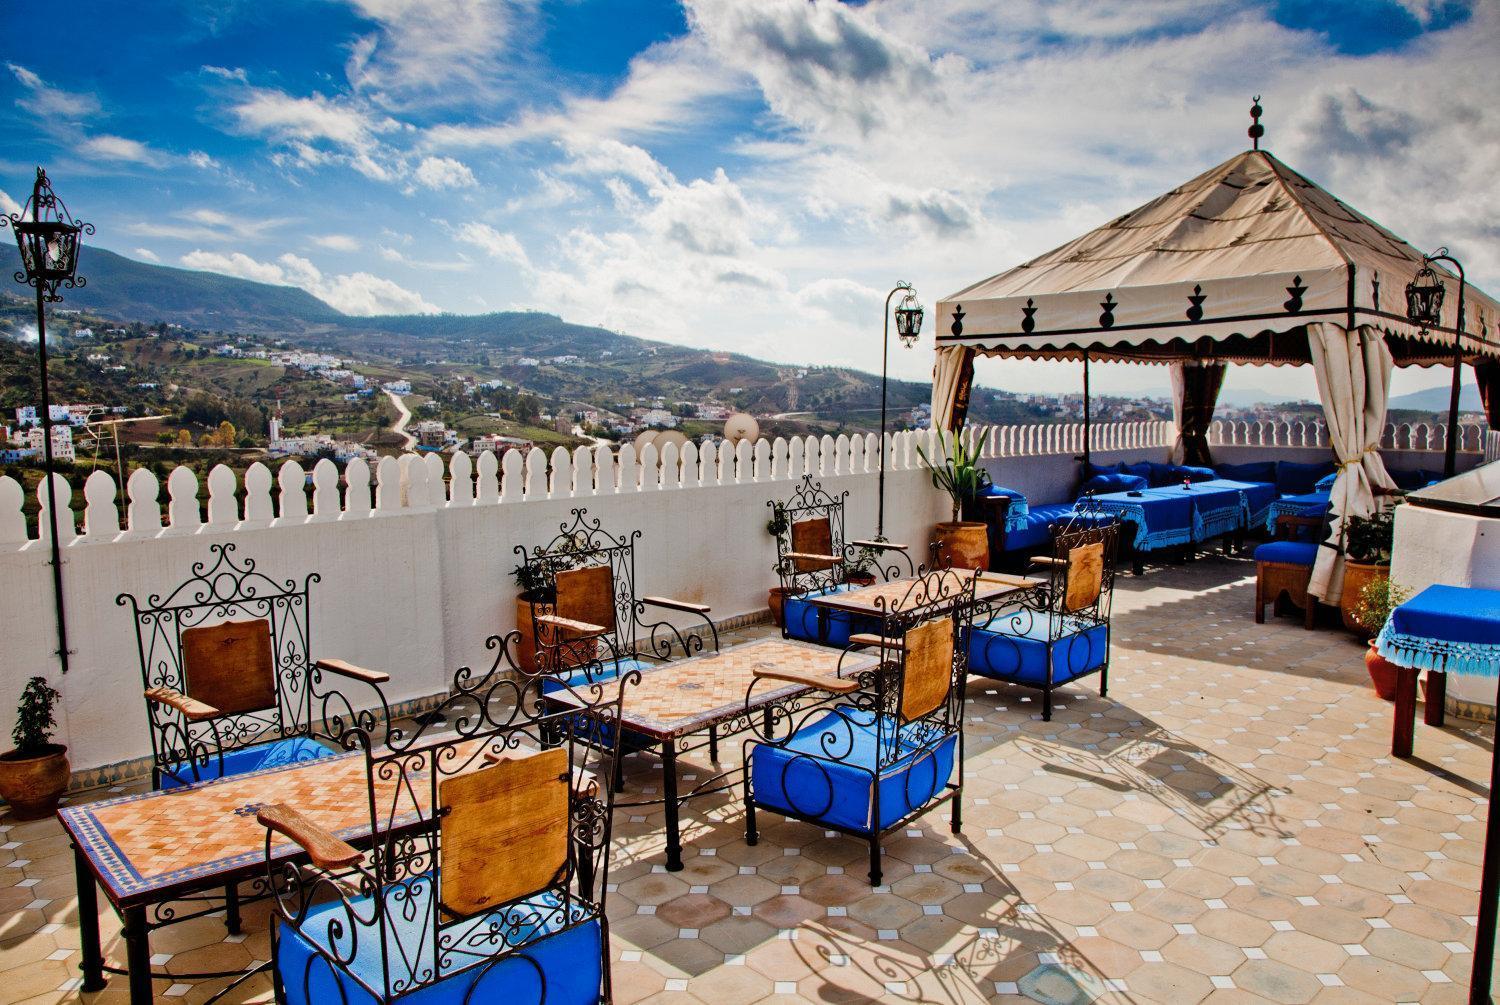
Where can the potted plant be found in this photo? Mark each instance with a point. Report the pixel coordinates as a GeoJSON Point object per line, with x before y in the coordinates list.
{"type": "Point", "coordinates": [859, 570]}
{"type": "Point", "coordinates": [961, 544]}
{"type": "Point", "coordinates": [537, 583]}
{"type": "Point", "coordinates": [34, 776]}
{"type": "Point", "coordinates": [1367, 558]}
{"type": "Point", "coordinates": [1372, 609]}
{"type": "Point", "coordinates": [778, 525]}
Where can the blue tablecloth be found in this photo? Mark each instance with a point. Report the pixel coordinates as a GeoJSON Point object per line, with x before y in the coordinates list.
{"type": "Point", "coordinates": [1448, 628]}
{"type": "Point", "coordinates": [1308, 504]}
{"type": "Point", "coordinates": [1175, 515]}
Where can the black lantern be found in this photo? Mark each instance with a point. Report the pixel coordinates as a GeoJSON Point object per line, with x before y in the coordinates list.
{"type": "Point", "coordinates": [48, 241]}
{"type": "Point", "coordinates": [1424, 297]}
{"type": "Point", "coordinates": [909, 319]}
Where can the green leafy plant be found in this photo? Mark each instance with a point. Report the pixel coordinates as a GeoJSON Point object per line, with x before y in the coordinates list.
{"type": "Point", "coordinates": [861, 562]}
{"type": "Point", "coordinates": [34, 720]}
{"type": "Point", "coordinates": [778, 524]}
{"type": "Point", "coordinates": [959, 473]}
{"type": "Point", "coordinates": [1368, 540]}
{"type": "Point", "coordinates": [1376, 602]}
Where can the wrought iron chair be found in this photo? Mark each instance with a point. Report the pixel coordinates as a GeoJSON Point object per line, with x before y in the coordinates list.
{"type": "Point", "coordinates": [887, 745]}
{"type": "Point", "coordinates": [1060, 632]}
{"type": "Point", "coordinates": [230, 683]}
{"type": "Point", "coordinates": [813, 558]}
{"type": "Point", "coordinates": [590, 625]}
{"type": "Point", "coordinates": [430, 912]}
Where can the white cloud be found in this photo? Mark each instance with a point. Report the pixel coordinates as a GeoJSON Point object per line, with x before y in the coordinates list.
{"type": "Point", "coordinates": [336, 242]}
{"type": "Point", "coordinates": [444, 172]}
{"type": "Point", "coordinates": [421, 49]}
{"type": "Point", "coordinates": [358, 293]}
{"type": "Point", "coordinates": [205, 224]}
{"type": "Point", "coordinates": [202, 161]}
{"type": "Point", "coordinates": [290, 119]}
{"type": "Point", "coordinates": [48, 102]}
{"type": "Point", "coordinates": [492, 242]}
{"type": "Point", "coordinates": [146, 255]}
{"type": "Point", "coordinates": [119, 148]}
{"type": "Point", "coordinates": [8, 205]}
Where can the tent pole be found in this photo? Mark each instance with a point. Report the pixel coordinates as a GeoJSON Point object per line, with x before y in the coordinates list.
{"type": "Point", "coordinates": [1085, 407]}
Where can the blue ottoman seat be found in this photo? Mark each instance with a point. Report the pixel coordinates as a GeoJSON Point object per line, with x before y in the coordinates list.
{"type": "Point", "coordinates": [1018, 648]}
{"type": "Point", "coordinates": [244, 760]}
{"type": "Point", "coordinates": [560, 967]}
{"type": "Point", "coordinates": [800, 778]}
{"type": "Point", "coordinates": [803, 619]}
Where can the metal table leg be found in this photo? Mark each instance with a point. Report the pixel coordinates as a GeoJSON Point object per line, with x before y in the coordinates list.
{"type": "Point", "coordinates": [138, 955]}
{"type": "Point", "coordinates": [669, 800]}
{"type": "Point", "coordinates": [92, 963]}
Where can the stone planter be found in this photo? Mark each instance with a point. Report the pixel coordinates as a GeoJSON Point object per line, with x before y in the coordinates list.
{"type": "Point", "coordinates": [574, 654]}
{"type": "Point", "coordinates": [963, 545]}
{"type": "Point", "coordinates": [1382, 673]}
{"type": "Point", "coordinates": [859, 579]}
{"type": "Point", "coordinates": [775, 600]}
{"type": "Point", "coordinates": [33, 785]}
{"type": "Point", "coordinates": [1357, 576]}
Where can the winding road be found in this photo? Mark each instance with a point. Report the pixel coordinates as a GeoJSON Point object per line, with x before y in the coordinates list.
{"type": "Point", "coordinates": [403, 416]}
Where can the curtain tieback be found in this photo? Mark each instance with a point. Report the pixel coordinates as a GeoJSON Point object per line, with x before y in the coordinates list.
{"type": "Point", "coordinates": [1358, 458]}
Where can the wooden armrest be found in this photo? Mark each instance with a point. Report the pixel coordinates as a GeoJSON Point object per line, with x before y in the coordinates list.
{"type": "Point", "coordinates": [568, 624]}
{"type": "Point", "coordinates": [344, 669]}
{"type": "Point", "coordinates": [879, 545]}
{"type": "Point", "coordinates": [811, 557]}
{"type": "Point", "coordinates": [1048, 560]}
{"type": "Point", "coordinates": [1024, 582]}
{"type": "Point", "coordinates": [677, 605]}
{"type": "Point", "coordinates": [325, 850]}
{"type": "Point", "coordinates": [823, 682]}
{"type": "Point", "coordinates": [192, 708]}
{"type": "Point", "coordinates": [864, 639]}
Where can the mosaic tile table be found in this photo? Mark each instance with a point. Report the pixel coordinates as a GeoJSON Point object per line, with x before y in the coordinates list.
{"type": "Point", "coordinates": [876, 600]}
{"type": "Point", "coordinates": [675, 704]}
{"type": "Point", "coordinates": [153, 850]}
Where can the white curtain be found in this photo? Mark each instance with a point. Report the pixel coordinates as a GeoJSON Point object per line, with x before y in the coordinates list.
{"type": "Point", "coordinates": [1354, 381]}
{"type": "Point", "coordinates": [1179, 391]}
{"type": "Point", "coordinates": [950, 370]}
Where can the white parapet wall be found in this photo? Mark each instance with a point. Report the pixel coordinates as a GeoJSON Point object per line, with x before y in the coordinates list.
{"type": "Point", "coordinates": [415, 569]}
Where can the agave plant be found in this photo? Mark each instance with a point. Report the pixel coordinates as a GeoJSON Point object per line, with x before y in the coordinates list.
{"type": "Point", "coordinates": [958, 472]}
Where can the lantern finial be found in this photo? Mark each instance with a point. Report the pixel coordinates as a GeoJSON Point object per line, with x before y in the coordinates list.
{"type": "Point", "coordinates": [1256, 129]}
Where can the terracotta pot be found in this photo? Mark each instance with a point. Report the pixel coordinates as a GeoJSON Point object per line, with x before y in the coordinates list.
{"type": "Point", "coordinates": [1382, 673]}
{"type": "Point", "coordinates": [1357, 576]}
{"type": "Point", "coordinates": [33, 785]}
{"type": "Point", "coordinates": [775, 600]}
{"type": "Point", "coordinates": [963, 545]}
{"type": "Point", "coordinates": [578, 652]}
{"type": "Point", "coordinates": [858, 579]}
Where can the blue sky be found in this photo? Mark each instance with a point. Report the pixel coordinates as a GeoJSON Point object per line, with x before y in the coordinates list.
{"type": "Point", "coordinates": [741, 174]}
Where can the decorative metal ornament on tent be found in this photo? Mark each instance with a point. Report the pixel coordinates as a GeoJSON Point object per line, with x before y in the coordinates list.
{"type": "Point", "coordinates": [1424, 297]}
{"type": "Point", "coordinates": [49, 239]}
{"type": "Point", "coordinates": [908, 327]}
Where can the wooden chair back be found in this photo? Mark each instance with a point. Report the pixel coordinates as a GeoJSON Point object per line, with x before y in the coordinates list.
{"type": "Point", "coordinates": [230, 666]}
{"type": "Point", "coordinates": [928, 672]}
{"type": "Point", "coordinates": [504, 831]}
{"type": "Point", "coordinates": [813, 536]}
{"type": "Point", "coordinates": [1085, 578]}
{"type": "Point", "coordinates": [587, 595]}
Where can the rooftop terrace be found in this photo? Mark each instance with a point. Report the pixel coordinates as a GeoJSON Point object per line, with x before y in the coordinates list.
{"type": "Point", "coordinates": [1227, 825]}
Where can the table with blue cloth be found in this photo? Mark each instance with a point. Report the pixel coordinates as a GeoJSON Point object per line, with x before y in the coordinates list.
{"type": "Point", "coordinates": [1187, 514]}
{"type": "Point", "coordinates": [1443, 630]}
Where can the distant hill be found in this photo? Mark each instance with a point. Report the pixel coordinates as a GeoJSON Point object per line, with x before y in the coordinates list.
{"type": "Point", "coordinates": [1435, 399]}
{"type": "Point", "coordinates": [123, 288]}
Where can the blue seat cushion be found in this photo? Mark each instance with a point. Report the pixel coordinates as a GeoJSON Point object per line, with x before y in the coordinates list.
{"type": "Point", "coordinates": [799, 777]}
{"type": "Point", "coordinates": [809, 622]}
{"type": "Point", "coordinates": [1162, 475]}
{"type": "Point", "coordinates": [1255, 471]}
{"type": "Point", "coordinates": [243, 760]}
{"type": "Point", "coordinates": [1114, 482]}
{"type": "Point", "coordinates": [1017, 647]}
{"type": "Point", "coordinates": [582, 676]}
{"type": "Point", "coordinates": [1038, 529]}
{"type": "Point", "coordinates": [558, 967]}
{"type": "Point", "coordinates": [1294, 479]}
{"type": "Point", "coordinates": [1288, 552]}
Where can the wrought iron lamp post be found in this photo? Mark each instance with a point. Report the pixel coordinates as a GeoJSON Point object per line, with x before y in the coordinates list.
{"type": "Point", "coordinates": [1424, 306]}
{"type": "Point", "coordinates": [49, 240]}
{"type": "Point", "coordinates": [908, 327]}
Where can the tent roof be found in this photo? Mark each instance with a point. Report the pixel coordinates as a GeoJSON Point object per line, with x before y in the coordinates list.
{"type": "Point", "coordinates": [1243, 256]}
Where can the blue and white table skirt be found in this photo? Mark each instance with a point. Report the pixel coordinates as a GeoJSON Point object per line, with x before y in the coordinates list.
{"type": "Point", "coordinates": [1450, 629]}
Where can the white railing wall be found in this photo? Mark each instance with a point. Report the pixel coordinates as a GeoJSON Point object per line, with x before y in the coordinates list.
{"type": "Point", "coordinates": [1313, 433]}
{"type": "Point", "coordinates": [1492, 446]}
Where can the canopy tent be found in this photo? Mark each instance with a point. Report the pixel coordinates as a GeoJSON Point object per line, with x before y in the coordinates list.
{"type": "Point", "coordinates": [1249, 262]}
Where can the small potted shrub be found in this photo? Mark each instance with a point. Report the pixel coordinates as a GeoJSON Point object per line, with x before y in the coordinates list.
{"type": "Point", "coordinates": [1367, 558]}
{"type": "Point", "coordinates": [778, 525]}
{"type": "Point", "coordinates": [1372, 609]}
{"type": "Point", "coordinates": [961, 544]}
{"type": "Point", "coordinates": [859, 570]}
{"type": "Point", "coordinates": [34, 776]}
{"type": "Point", "coordinates": [537, 587]}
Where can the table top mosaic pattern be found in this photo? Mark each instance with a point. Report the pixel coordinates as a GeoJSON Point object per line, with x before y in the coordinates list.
{"type": "Point", "coordinates": [879, 598]}
{"type": "Point", "coordinates": [679, 698]}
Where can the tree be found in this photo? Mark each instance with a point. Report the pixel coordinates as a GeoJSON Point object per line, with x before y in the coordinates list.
{"type": "Point", "coordinates": [184, 438]}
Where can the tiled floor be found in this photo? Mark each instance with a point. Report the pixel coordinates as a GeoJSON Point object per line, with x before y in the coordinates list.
{"type": "Point", "coordinates": [1226, 826]}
